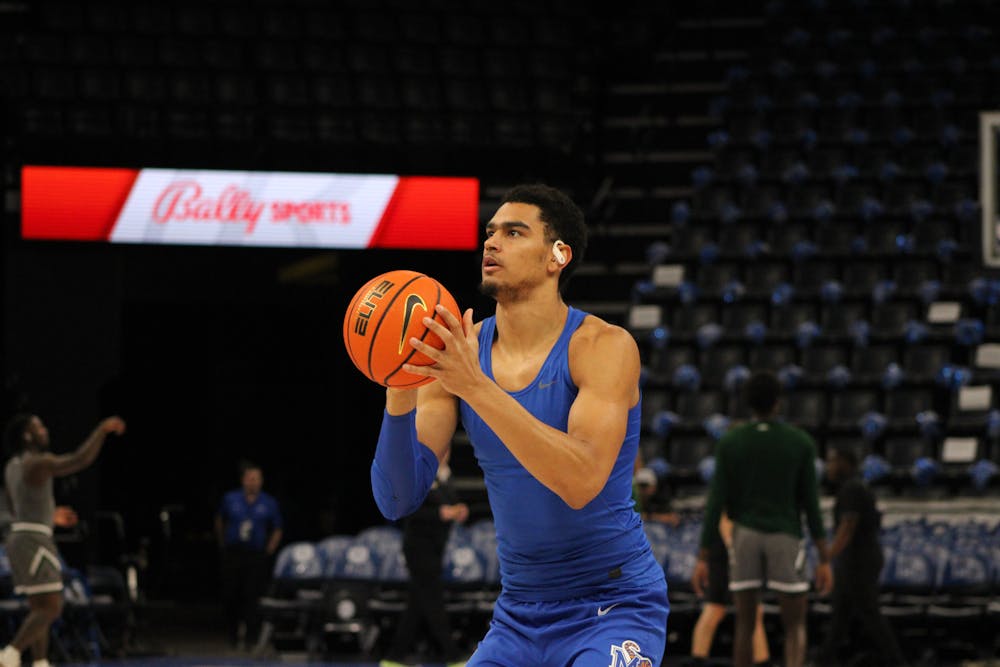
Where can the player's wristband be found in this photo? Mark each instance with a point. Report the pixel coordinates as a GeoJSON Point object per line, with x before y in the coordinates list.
{"type": "Point", "coordinates": [404, 469]}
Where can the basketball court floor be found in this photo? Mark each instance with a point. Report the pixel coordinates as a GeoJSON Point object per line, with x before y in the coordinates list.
{"type": "Point", "coordinates": [245, 662]}
{"type": "Point", "coordinates": [220, 662]}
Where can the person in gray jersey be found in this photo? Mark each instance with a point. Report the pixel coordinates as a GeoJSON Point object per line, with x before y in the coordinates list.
{"type": "Point", "coordinates": [34, 560]}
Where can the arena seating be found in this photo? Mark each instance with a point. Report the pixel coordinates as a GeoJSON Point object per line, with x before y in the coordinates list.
{"type": "Point", "coordinates": [351, 81]}
{"type": "Point", "coordinates": [826, 231]}
{"type": "Point", "coordinates": [351, 588]}
{"type": "Point", "coordinates": [941, 567]}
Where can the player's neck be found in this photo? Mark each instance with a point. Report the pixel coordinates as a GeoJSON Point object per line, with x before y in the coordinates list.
{"type": "Point", "coordinates": [527, 324]}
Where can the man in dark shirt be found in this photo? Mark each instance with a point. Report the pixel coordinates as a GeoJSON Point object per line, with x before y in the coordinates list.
{"type": "Point", "coordinates": [857, 562]}
{"type": "Point", "coordinates": [425, 535]}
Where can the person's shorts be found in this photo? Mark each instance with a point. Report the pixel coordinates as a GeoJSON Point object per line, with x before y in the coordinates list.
{"type": "Point", "coordinates": [774, 560]}
{"type": "Point", "coordinates": [626, 629]}
{"type": "Point", "coordinates": [34, 560]}
{"type": "Point", "coordinates": [718, 574]}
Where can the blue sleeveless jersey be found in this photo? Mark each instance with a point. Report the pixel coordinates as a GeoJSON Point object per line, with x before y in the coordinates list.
{"type": "Point", "coordinates": [547, 550]}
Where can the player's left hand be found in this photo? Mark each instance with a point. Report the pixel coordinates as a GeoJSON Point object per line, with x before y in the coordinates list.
{"type": "Point", "coordinates": [456, 367]}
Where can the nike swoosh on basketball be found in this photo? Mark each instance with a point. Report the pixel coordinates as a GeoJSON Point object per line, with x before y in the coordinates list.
{"type": "Point", "coordinates": [412, 301]}
{"type": "Point", "coordinates": [605, 610]}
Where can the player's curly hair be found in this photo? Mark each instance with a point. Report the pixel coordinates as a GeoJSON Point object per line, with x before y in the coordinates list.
{"type": "Point", "coordinates": [563, 219]}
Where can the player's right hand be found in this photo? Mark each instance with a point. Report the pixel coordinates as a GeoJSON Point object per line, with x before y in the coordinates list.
{"type": "Point", "coordinates": [824, 579]}
{"type": "Point", "coordinates": [114, 425]}
{"type": "Point", "coordinates": [699, 578]}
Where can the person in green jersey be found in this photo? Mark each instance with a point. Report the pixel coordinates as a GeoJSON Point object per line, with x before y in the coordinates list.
{"type": "Point", "coordinates": [765, 478]}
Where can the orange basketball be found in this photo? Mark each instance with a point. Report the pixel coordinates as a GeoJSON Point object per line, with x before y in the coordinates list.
{"type": "Point", "coordinates": [384, 314]}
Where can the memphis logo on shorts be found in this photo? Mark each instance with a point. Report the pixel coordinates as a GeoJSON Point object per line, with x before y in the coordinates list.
{"type": "Point", "coordinates": [627, 655]}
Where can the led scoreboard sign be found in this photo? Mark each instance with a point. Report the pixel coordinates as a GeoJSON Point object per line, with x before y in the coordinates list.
{"type": "Point", "coordinates": [249, 208]}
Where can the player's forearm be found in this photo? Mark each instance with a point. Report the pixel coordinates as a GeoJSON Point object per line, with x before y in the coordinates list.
{"type": "Point", "coordinates": [84, 455]}
{"type": "Point", "coordinates": [822, 549]}
{"type": "Point", "coordinates": [560, 462]}
{"type": "Point", "coordinates": [403, 469]}
{"type": "Point", "coordinates": [842, 538]}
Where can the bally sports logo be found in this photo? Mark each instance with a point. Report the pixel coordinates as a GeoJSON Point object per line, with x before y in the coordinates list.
{"type": "Point", "coordinates": [249, 208]}
{"type": "Point", "coordinates": [185, 201]}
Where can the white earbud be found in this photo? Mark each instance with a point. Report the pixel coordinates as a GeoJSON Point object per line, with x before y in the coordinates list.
{"type": "Point", "coordinates": [558, 253]}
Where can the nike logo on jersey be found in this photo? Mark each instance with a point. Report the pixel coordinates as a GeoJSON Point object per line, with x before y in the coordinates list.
{"type": "Point", "coordinates": [412, 301]}
{"type": "Point", "coordinates": [546, 385]}
{"type": "Point", "coordinates": [602, 611]}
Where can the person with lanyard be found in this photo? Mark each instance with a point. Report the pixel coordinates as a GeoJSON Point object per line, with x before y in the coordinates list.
{"type": "Point", "coordinates": [248, 527]}
{"type": "Point", "coordinates": [765, 479]}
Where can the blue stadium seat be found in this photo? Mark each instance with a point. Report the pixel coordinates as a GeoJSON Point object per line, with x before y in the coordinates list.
{"type": "Point", "coordinates": [903, 406]}
{"type": "Point", "coordinates": [806, 409]}
{"type": "Point", "coordinates": [462, 565]}
{"type": "Point", "coordinates": [715, 362]}
{"type": "Point", "coordinates": [382, 540]}
{"type": "Point", "coordinates": [684, 453]}
{"type": "Point", "coordinates": [293, 605]}
{"type": "Point", "coordinates": [868, 364]}
{"type": "Point", "coordinates": [361, 562]}
{"type": "Point", "coordinates": [332, 551]}
{"type": "Point", "coordinates": [847, 408]}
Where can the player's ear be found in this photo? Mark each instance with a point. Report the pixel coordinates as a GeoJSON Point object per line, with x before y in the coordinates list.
{"type": "Point", "coordinates": [561, 252]}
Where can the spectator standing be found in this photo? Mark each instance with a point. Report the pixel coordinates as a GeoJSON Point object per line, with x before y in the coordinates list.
{"type": "Point", "coordinates": [248, 527]}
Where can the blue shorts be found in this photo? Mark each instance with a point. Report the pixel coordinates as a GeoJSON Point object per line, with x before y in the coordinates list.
{"type": "Point", "coordinates": [626, 628]}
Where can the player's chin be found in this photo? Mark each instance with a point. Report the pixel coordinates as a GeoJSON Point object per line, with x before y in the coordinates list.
{"type": "Point", "coordinates": [489, 287]}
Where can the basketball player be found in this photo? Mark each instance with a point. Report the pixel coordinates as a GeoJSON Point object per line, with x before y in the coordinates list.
{"type": "Point", "coordinates": [765, 479]}
{"type": "Point", "coordinates": [717, 600]}
{"type": "Point", "coordinates": [34, 560]}
{"type": "Point", "coordinates": [549, 396]}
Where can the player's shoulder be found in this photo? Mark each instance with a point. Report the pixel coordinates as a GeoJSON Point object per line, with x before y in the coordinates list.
{"type": "Point", "coordinates": [598, 346]}
{"type": "Point", "coordinates": [853, 491]}
{"type": "Point", "coordinates": [31, 458]}
{"type": "Point", "coordinates": [798, 434]}
{"type": "Point", "coordinates": [595, 332]}
{"type": "Point", "coordinates": [735, 433]}
{"type": "Point", "coordinates": [850, 486]}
